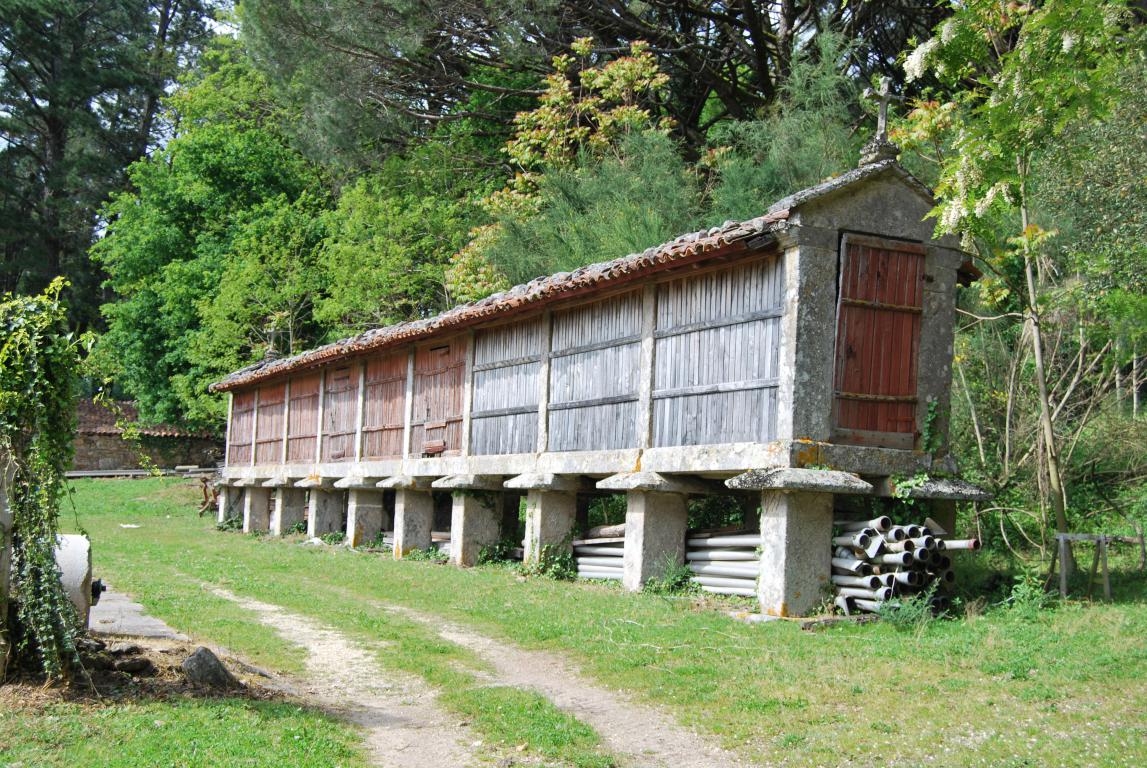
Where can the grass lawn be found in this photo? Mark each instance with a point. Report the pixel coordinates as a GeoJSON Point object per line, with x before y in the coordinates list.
{"type": "Point", "coordinates": [1064, 687]}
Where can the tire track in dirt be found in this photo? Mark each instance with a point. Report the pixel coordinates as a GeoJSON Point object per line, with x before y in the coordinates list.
{"type": "Point", "coordinates": [642, 736]}
{"type": "Point", "coordinates": [404, 727]}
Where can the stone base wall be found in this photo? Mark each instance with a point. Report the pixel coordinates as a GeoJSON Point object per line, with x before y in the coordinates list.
{"type": "Point", "coordinates": [112, 452]}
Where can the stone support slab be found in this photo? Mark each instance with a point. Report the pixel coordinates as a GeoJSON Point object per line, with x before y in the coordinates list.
{"type": "Point", "coordinates": [475, 522]}
{"type": "Point", "coordinates": [550, 517]}
{"type": "Point", "coordinates": [289, 508]}
{"type": "Point", "coordinates": [365, 516]}
{"type": "Point", "coordinates": [796, 536]}
{"type": "Point", "coordinates": [256, 510]}
{"type": "Point", "coordinates": [655, 526]}
{"type": "Point", "coordinates": [413, 517]}
{"type": "Point", "coordinates": [326, 512]}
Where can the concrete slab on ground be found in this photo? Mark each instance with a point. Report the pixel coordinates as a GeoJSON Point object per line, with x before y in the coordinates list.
{"type": "Point", "coordinates": [118, 614]}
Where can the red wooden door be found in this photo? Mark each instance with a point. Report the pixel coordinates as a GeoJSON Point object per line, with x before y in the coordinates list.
{"type": "Point", "coordinates": [436, 423]}
{"type": "Point", "coordinates": [878, 342]}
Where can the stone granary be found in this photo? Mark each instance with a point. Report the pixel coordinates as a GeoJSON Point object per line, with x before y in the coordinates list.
{"type": "Point", "coordinates": [804, 355]}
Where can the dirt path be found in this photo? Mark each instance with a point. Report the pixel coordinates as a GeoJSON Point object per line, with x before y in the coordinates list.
{"type": "Point", "coordinates": [643, 737]}
{"type": "Point", "coordinates": [404, 728]}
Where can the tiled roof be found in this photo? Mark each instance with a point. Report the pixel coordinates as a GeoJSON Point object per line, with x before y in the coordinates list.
{"type": "Point", "coordinates": [98, 419]}
{"type": "Point", "coordinates": [727, 238]}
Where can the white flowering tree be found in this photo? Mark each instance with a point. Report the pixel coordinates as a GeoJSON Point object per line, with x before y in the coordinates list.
{"type": "Point", "coordinates": [1013, 76]}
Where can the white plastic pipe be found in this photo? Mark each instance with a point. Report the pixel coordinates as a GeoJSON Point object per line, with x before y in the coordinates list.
{"type": "Point", "coordinates": [881, 524]}
{"type": "Point", "coordinates": [865, 582]}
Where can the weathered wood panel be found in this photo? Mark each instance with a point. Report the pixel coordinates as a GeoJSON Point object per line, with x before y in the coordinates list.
{"type": "Point", "coordinates": [878, 342]}
{"type": "Point", "coordinates": [505, 343]}
{"type": "Point", "coordinates": [504, 405]}
{"type": "Point", "coordinates": [269, 425]}
{"type": "Point", "coordinates": [436, 422]}
{"type": "Point", "coordinates": [609, 320]}
{"type": "Point", "coordinates": [340, 413]}
{"type": "Point", "coordinates": [594, 375]}
{"type": "Point", "coordinates": [716, 356]}
{"type": "Point", "coordinates": [303, 419]}
{"type": "Point", "coordinates": [240, 436]}
{"type": "Point", "coordinates": [384, 406]}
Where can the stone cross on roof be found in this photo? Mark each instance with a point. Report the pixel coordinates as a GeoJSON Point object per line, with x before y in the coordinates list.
{"type": "Point", "coordinates": [880, 148]}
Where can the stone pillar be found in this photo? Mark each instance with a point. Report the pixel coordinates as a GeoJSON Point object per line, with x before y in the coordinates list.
{"type": "Point", "coordinates": [230, 503]}
{"type": "Point", "coordinates": [476, 522]}
{"type": "Point", "coordinates": [365, 516]}
{"type": "Point", "coordinates": [290, 507]}
{"type": "Point", "coordinates": [796, 535]}
{"type": "Point", "coordinates": [550, 519]}
{"type": "Point", "coordinates": [413, 515]}
{"type": "Point", "coordinates": [326, 512]}
{"type": "Point", "coordinates": [256, 509]}
{"type": "Point", "coordinates": [655, 525]}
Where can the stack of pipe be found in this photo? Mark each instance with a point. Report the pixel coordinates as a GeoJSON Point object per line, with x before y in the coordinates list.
{"type": "Point", "coordinates": [599, 558]}
{"type": "Point", "coordinates": [874, 561]}
{"type": "Point", "coordinates": [725, 563]}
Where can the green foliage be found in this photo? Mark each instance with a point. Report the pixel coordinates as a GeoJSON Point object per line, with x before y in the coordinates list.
{"type": "Point", "coordinates": [39, 364]}
{"type": "Point", "coordinates": [716, 511]}
{"type": "Point", "coordinates": [297, 527]}
{"type": "Point", "coordinates": [806, 137]}
{"type": "Point", "coordinates": [1029, 596]}
{"type": "Point", "coordinates": [385, 254]}
{"type": "Point", "coordinates": [333, 538]}
{"type": "Point", "coordinates": [675, 579]}
{"type": "Point", "coordinates": [554, 561]}
{"type": "Point", "coordinates": [912, 613]}
{"type": "Point", "coordinates": [499, 553]}
{"type": "Point", "coordinates": [636, 197]}
{"type": "Point", "coordinates": [431, 554]}
{"type": "Point", "coordinates": [607, 510]}
{"type": "Point", "coordinates": [235, 523]}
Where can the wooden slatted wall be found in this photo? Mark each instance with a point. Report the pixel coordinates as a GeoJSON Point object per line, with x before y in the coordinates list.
{"type": "Point", "coordinates": [384, 406]}
{"type": "Point", "coordinates": [272, 411]}
{"type": "Point", "coordinates": [303, 420]}
{"type": "Point", "coordinates": [340, 413]}
{"type": "Point", "coordinates": [594, 375]}
{"type": "Point", "coordinates": [504, 407]}
{"type": "Point", "coordinates": [717, 348]}
{"type": "Point", "coordinates": [436, 421]}
{"type": "Point", "coordinates": [878, 342]}
{"type": "Point", "coordinates": [241, 435]}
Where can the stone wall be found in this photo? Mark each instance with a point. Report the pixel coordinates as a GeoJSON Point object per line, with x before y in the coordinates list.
{"type": "Point", "coordinates": [96, 452]}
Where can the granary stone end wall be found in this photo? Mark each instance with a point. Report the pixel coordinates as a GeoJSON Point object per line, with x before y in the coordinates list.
{"type": "Point", "coordinates": [818, 335]}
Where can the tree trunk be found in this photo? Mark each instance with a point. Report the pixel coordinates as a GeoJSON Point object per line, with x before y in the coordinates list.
{"type": "Point", "coordinates": [1056, 491]}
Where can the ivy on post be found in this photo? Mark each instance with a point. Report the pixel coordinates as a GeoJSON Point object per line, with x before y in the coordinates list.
{"type": "Point", "coordinates": [39, 361]}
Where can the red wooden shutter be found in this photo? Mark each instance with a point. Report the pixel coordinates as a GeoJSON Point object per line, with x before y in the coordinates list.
{"type": "Point", "coordinates": [878, 342]}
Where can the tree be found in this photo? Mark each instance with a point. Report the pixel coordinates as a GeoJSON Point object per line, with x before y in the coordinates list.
{"type": "Point", "coordinates": [171, 240]}
{"type": "Point", "coordinates": [79, 90]}
{"type": "Point", "coordinates": [806, 136]}
{"type": "Point", "coordinates": [588, 158]}
{"type": "Point", "coordinates": [380, 74]}
{"type": "Point", "coordinates": [386, 252]}
{"type": "Point", "coordinates": [1017, 74]}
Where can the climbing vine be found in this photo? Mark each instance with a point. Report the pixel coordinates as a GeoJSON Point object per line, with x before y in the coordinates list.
{"type": "Point", "coordinates": [39, 362]}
